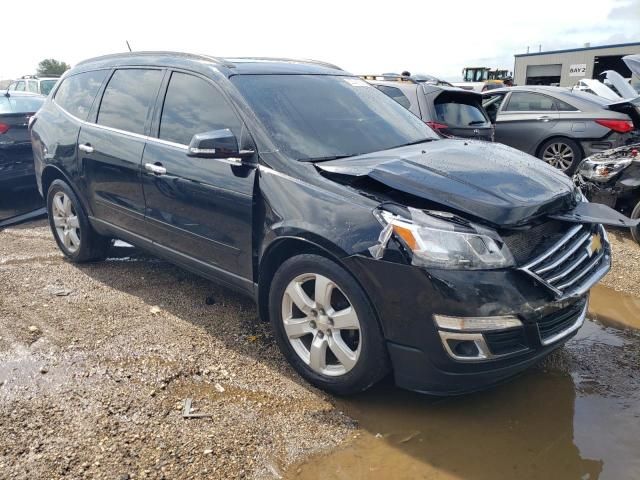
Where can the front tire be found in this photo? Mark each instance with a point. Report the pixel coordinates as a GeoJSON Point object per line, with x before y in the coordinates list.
{"type": "Point", "coordinates": [562, 153]}
{"type": "Point", "coordinates": [70, 226]}
{"type": "Point", "coordinates": [325, 326]}
{"type": "Point", "coordinates": [635, 232]}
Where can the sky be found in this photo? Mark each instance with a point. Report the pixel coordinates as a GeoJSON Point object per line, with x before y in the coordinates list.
{"type": "Point", "coordinates": [439, 38]}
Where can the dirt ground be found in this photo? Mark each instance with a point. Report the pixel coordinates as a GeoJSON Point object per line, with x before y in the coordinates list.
{"type": "Point", "coordinates": [625, 272]}
{"type": "Point", "coordinates": [96, 361]}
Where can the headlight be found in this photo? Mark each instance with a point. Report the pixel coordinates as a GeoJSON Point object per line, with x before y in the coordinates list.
{"type": "Point", "coordinates": [602, 170]}
{"type": "Point", "coordinates": [436, 240]}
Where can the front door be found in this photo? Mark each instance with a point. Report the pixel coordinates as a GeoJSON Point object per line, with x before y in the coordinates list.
{"type": "Point", "coordinates": [110, 150]}
{"type": "Point", "coordinates": [525, 120]}
{"type": "Point", "coordinates": [200, 208]}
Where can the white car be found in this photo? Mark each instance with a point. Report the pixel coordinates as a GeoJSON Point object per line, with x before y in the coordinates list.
{"type": "Point", "coordinates": [33, 84]}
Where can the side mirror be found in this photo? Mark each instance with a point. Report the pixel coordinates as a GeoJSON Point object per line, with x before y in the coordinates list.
{"type": "Point", "coordinates": [217, 144]}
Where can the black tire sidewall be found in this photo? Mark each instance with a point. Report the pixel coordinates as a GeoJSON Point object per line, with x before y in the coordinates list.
{"type": "Point", "coordinates": [373, 361]}
{"type": "Point", "coordinates": [577, 152]}
{"type": "Point", "coordinates": [87, 250]}
{"type": "Point", "coordinates": [635, 231]}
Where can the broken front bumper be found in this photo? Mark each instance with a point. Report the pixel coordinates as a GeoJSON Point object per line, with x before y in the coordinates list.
{"type": "Point", "coordinates": [424, 357]}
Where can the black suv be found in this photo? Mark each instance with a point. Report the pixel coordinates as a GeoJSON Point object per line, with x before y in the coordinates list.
{"type": "Point", "coordinates": [371, 244]}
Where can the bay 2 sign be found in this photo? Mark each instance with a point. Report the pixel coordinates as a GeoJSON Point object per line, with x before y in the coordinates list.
{"type": "Point", "coordinates": [578, 70]}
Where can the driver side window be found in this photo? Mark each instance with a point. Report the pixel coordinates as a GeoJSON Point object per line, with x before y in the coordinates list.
{"type": "Point", "coordinates": [192, 105]}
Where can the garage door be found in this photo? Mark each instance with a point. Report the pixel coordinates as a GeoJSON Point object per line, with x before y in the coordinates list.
{"type": "Point", "coordinates": [544, 70]}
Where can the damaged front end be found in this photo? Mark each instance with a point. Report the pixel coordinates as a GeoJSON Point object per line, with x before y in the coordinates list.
{"type": "Point", "coordinates": [612, 178]}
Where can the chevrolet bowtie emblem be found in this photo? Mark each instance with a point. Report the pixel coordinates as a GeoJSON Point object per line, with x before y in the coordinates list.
{"type": "Point", "coordinates": [595, 245]}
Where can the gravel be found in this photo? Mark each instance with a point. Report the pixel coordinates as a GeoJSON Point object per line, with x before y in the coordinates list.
{"type": "Point", "coordinates": [96, 361]}
{"type": "Point", "coordinates": [625, 271]}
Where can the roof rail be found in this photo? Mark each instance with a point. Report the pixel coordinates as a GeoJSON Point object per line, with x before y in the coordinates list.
{"type": "Point", "coordinates": [389, 78]}
{"type": "Point", "coordinates": [217, 60]}
{"type": "Point", "coordinates": [282, 59]}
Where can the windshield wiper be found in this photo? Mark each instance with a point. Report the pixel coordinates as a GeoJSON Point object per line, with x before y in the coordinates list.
{"type": "Point", "coordinates": [478, 122]}
{"type": "Point", "coordinates": [424, 140]}
{"type": "Point", "coordinates": [327, 158]}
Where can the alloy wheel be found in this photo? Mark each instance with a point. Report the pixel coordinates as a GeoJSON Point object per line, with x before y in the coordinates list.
{"type": "Point", "coordinates": [321, 324]}
{"type": "Point", "coordinates": [66, 221]}
{"type": "Point", "coordinates": [559, 155]}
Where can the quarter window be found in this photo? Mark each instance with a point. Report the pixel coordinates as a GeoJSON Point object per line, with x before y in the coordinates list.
{"type": "Point", "coordinates": [192, 106]}
{"type": "Point", "coordinates": [565, 107]}
{"type": "Point", "coordinates": [529, 102]}
{"type": "Point", "coordinates": [128, 100]}
{"type": "Point", "coordinates": [77, 92]}
{"type": "Point", "coordinates": [396, 94]}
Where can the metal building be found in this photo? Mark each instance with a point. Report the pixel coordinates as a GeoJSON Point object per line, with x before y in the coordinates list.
{"type": "Point", "coordinates": [567, 67]}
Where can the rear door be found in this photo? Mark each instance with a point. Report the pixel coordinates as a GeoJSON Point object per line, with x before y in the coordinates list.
{"type": "Point", "coordinates": [199, 207]}
{"type": "Point", "coordinates": [110, 150]}
{"type": "Point", "coordinates": [525, 119]}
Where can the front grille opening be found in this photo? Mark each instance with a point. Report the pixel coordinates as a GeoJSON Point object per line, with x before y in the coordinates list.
{"type": "Point", "coordinates": [528, 243]}
{"type": "Point", "coordinates": [559, 321]}
{"type": "Point", "coordinates": [506, 341]}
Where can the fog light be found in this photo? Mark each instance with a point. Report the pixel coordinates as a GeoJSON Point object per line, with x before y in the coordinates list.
{"type": "Point", "coordinates": [477, 324]}
{"type": "Point", "coordinates": [464, 348]}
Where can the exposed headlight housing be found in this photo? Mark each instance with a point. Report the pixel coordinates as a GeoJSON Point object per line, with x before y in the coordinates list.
{"type": "Point", "coordinates": [602, 170]}
{"type": "Point", "coordinates": [436, 240]}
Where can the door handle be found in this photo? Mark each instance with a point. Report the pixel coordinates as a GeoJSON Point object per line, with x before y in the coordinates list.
{"type": "Point", "coordinates": [85, 147]}
{"type": "Point", "coordinates": [544, 118]}
{"type": "Point", "coordinates": [154, 168]}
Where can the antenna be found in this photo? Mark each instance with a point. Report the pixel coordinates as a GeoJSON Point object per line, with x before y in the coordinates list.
{"type": "Point", "coordinates": [128, 46]}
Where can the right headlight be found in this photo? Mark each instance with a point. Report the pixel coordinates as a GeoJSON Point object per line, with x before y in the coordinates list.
{"type": "Point", "coordinates": [602, 170]}
{"type": "Point", "coordinates": [436, 240]}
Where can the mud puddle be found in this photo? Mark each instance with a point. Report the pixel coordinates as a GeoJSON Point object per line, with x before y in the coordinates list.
{"type": "Point", "coordinates": [576, 416]}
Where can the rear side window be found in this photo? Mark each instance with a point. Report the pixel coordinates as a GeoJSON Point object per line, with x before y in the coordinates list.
{"type": "Point", "coordinates": [564, 106]}
{"type": "Point", "coordinates": [459, 112]}
{"type": "Point", "coordinates": [20, 87]}
{"type": "Point", "coordinates": [396, 94]}
{"type": "Point", "coordinates": [128, 99]}
{"type": "Point", "coordinates": [529, 102]}
{"type": "Point", "coordinates": [46, 86]}
{"type": "Point", "coordinates": [76, 93]}
{"type": "Point", "coordinates": [15, 104]}
{"type": "Point", "coordinates": [192, 106]}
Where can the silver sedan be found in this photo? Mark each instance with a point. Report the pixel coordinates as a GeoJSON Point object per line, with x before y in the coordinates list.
{"type": "Point", "coordinates": [557, 124]}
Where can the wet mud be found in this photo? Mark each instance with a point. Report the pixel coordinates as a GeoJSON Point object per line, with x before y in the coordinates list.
{"type": "Point", "coordinates": [575, 416]}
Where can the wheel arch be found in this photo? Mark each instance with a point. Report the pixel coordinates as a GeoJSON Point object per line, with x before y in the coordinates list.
{"type": "Point", "coordinates": [552, 137]}
{"type": "Point", "coordinates": [277, 252]}
{"type": "Point", "coordinates": [50, 173]}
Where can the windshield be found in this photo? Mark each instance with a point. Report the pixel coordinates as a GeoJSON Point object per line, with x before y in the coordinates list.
{"type": "Point", "coordinates": [316, 117]}
{"type": "Point", "coordinates": [46, 86]}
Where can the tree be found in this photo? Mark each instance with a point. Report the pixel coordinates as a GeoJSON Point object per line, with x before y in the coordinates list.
{"type": "Point", "coordinates": [51, 66]}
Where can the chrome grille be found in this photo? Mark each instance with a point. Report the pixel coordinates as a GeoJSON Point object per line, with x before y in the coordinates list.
{"type": "Point", "coordinates": [570, 266]}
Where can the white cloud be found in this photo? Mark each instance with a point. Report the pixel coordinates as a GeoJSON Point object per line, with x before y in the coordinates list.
{"type": "Point", "coordinates": [432, 37]}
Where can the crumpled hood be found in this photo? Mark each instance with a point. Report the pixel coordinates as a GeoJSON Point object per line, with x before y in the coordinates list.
{"type": "Point", "coordinates": [493, 182]}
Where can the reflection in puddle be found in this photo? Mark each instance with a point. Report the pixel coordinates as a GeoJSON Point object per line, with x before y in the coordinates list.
{"type": "Point", "coordinates": [542, 425]}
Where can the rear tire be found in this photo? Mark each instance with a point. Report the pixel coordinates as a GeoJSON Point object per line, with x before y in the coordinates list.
{"type": "Point", "coordinates": [317, 308]}
{"type": "Point", "coordinates": [635, 232]}
{"type": "Point", "coordinates": [70, 226]}
{"type": "Point", "coordinates": [561, 153]}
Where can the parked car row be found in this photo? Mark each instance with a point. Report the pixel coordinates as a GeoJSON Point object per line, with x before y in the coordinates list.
{"type": "Point", "coordinates": [371, 243]}
{"type": "Point", "coordinates": [558, 125]}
